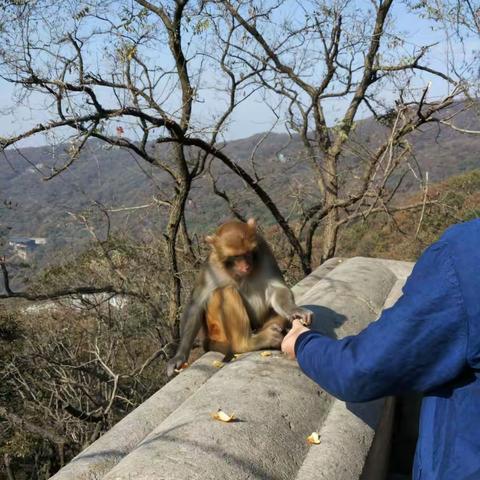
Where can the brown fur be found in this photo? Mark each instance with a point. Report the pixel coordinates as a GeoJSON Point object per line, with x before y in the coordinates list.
{"type": "Point", "coordinates": [232, 239]}
{"type": "Point", "coordinates": [229, 326]}
{"type": "Point", "coordinates": [240, 296]}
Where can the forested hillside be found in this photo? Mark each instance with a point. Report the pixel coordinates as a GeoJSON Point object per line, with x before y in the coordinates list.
{"type": "Point", "coordinates": [114, 179]}
{"type": "Point", "coordinates": [405, 235]}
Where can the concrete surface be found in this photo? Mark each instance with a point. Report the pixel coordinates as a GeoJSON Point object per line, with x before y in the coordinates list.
{"type": "Point", "coordinates": [270, 398]}
{"type": "Point", "coordinates": [276, 406]}
{"type": "Point", "coordinates": [346, 437]}
{"type": "Point", "coordinates": [97, 459]}
{"type": "Point", "coordinates": [318, 274]}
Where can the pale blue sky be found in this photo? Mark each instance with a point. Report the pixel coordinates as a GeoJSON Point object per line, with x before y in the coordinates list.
{"type": "Point", "coordinates": [253, 116]}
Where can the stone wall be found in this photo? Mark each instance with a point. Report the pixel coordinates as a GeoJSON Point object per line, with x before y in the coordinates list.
{"type": "Point", "coordinates": [173, 436]}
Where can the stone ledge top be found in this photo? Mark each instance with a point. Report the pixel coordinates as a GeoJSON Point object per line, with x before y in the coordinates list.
{"type": "Point", "coordinates": [172, 435]}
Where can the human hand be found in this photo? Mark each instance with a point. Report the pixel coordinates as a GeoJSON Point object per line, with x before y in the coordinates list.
{"type": "Point", "coordinates": [288, 344]}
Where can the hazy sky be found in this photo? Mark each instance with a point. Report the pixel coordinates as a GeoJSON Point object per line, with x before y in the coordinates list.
{"type": "Point", "coordinates": [252, 116]}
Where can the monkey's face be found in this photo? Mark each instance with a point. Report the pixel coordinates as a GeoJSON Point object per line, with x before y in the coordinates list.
{"type": "Point", "coordinates": [234, 245]}
{"type": "Point", "coordinates": [240, 266]}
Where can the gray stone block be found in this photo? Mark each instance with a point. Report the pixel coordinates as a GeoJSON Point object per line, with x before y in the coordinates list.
{"type": "Point", "coordinates": [96, 460]}
{"type": "Point", "coordinates": [346, 436]}
{"type": "Point", "coordinates": [349, 297]}
{"type": "Point", "coordinates": [318, 274]}
{"type": "Point", "coordinates": [276, 406]}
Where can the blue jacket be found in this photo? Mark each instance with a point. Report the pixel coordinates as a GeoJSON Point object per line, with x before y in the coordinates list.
{"type": "Point", "coordinates": [429, 342]}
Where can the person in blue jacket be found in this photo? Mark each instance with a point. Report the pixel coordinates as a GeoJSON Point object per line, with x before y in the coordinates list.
{"type": "Point", "coordinates": [428, 342]}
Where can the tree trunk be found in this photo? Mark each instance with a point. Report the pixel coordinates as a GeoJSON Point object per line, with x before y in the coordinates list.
{"type": "Point", "coordinates": [173, 227]}
{"type": "Point", "coordinates": [8, 466]}
{"type": "Point", "coordinates": [329, 236]}
{"type": "Point", "coordinates": [330, 223]}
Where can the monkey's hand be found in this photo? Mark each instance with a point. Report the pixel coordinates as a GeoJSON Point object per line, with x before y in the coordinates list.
{"type": "Point", "coordinates": [274, 335]}
{"type": "Point", "coordinates": [303, 315]}
{"type": "Point", "coordinates": [175, 363]}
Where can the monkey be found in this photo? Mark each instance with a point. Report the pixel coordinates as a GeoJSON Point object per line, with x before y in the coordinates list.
{"type": "Point", "coordinates": [240, 297]}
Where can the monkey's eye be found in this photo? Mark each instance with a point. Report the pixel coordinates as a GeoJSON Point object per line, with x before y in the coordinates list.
{"type": "Point", "coordinates": [229, 262]}
{"type": "Point", "coordinates": [248, 257]}
{"type": "Point", "coordinates": [233, 259]}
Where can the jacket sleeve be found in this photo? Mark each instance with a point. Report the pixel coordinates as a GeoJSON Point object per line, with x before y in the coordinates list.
{"type": "Point", "coordinates": [417, 345]}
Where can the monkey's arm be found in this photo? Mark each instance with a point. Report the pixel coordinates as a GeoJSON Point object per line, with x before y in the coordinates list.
{"type": "Point", "coordinates": [191, 319]}
{"type": "Point", "coordinates": [280, 297]}
{"type": "Point", "coordinates": [190, 324]}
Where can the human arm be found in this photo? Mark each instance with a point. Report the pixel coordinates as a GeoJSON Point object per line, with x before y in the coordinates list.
{"type": "Point", "coordinates": [417, 345]}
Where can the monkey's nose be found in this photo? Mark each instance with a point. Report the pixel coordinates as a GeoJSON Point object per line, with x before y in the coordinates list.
{"type": "Point", "coordinates": [246, 268]}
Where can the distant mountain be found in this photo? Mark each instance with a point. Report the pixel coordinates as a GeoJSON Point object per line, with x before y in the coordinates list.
{"type": "Point", "coordinates": [114, 179]}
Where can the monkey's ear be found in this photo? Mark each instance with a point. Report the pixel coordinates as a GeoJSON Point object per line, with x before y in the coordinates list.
{"type": "Point", "coordinates": [252, 223]}
{"type": "Point", "coordinates": [210, 239]}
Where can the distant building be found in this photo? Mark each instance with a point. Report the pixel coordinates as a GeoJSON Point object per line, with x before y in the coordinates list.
{"type": "Point", "coordinates": [24, 246]}
{"type": "Point", "coordinates": [40, 240]}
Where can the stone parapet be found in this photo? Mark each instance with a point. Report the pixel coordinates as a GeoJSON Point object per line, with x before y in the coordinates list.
{"type": "Point", "coordinates": [173, 436]}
